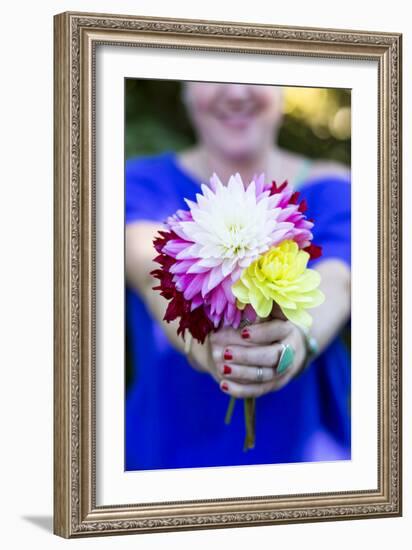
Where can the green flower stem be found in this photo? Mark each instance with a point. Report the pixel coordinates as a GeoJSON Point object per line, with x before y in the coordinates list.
{"type": "Point", "coordinates": [249, 408]}
{"type": "Point", "coordinates": [229, 411]}
{"type": "Point", "coordinates": [249, 405]}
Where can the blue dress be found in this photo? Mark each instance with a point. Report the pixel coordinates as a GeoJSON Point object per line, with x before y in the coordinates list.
{"type": "Point", "coordinates": [174, 415]}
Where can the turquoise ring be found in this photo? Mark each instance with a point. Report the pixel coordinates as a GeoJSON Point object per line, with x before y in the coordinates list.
{"type": "Point", "coordinates": [286, 358]}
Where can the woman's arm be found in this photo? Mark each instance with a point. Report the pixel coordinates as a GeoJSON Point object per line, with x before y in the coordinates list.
{"type": "Point", "coordinates": [331, 316]}
{"type": "Point", "coordinates": [140, 253]}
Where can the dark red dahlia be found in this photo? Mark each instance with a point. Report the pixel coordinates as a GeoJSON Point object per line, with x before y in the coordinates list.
{"type": "Point", "coordinates": [314, 251]}
{"type": "Point", "coordinates": [196, 320]}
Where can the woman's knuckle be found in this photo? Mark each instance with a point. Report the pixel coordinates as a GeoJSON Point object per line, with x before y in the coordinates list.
{"type": "Point", "coordinates": [244, 392]}
{"type": "Point", "coordinates": [216, 353]}
{"type": "Point", "coordinates": [269, 355]}
{"type": "Point", "coordinates": [269, 374]}
{"type": "Point", "coordinates": [261, 390]}
{"type": "Point", "coordinates": [241, 355]}
{"type": "Point", "coordinates": [235, 392]}
{"type": "Point", "coordinates": [256, 332]}
{"type": "Point", "coordinates": [241, 373]}
{"type": "Point", "coordinates": [213, 337]}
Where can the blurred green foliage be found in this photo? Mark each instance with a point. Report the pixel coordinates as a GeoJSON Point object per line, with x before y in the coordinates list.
{"type": "Point", "coordinates": [156, 120]}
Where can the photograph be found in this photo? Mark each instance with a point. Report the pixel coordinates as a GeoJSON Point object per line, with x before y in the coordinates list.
{"type": "Point", "coordinates": [237, 274]}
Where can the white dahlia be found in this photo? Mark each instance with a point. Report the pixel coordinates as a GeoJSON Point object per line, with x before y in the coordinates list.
{"type": "Point", "coordinates": [227, 228]}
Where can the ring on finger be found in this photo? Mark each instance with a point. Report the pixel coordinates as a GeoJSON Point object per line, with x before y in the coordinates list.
{"type": "Point", "coordinates": [286, 358]}
{"type": "Point", "coordinates": [244, 323]}
{"type": "Point", "coordinates": [259, 374]}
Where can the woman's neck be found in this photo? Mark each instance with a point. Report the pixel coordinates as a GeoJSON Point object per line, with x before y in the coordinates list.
{"type": "Point", "coordinates": [202, 163]}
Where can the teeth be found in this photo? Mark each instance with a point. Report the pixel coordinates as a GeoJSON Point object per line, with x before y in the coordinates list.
{"type": "Point", "coordinates": [237, 115]}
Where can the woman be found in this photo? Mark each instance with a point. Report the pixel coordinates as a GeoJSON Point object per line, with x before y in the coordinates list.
{"type": "Point", "coordinates": [176, 404]}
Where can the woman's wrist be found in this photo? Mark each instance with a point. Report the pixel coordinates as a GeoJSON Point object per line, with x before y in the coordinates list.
{"type": "Point", "coordinates": [311, 348]}
{"type": "Point", "coordinates": [196, 353]}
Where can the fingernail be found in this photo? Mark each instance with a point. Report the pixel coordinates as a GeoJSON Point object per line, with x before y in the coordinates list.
{"type": "Point", "coordinates": [245, 333]}
{"type": "Point", "coordinates": [224, 386]}
{"type": "Point", "coordinates": [227, 355]}
{"type": "Point", "coordinates": [226, 369]}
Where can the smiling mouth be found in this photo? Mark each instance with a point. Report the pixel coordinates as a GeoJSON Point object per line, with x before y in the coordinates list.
{"type": "Point", "coordinates": [235, 120]}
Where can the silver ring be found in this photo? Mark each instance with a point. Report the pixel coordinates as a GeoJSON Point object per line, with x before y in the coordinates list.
{"type": "Point", "coordinates": [244, 323]}
{"type": "Point", "coordinates": [259, 374]}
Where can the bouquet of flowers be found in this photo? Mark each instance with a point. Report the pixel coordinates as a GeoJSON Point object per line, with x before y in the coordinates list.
{"type": "Point", "coordinates": [232, 255]}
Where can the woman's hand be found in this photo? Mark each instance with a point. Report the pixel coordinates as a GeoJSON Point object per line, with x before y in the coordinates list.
{"type": "Point", "coordinates": [236, 355]}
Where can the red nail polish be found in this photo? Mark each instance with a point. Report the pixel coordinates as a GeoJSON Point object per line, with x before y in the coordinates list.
{"type": "Point", "coordinates": [227, 355]}
{"type": "Point", "coordinates": [224, 386]}
{"type": "Point", "coordinates": [245, 333]}
{"type": "Point", "coordinates": [226, 369]}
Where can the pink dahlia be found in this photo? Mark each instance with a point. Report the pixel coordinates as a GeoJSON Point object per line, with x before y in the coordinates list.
{"type": "Point", "coordinates": [294, 212]}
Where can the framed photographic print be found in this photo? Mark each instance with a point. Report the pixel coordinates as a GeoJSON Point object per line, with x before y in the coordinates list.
{"type": "Point", "coordinates": [227, 274]}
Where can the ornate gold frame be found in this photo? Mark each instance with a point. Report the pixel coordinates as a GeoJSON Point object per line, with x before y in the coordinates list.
{"type": "Point", "coordinates": [75, 38]}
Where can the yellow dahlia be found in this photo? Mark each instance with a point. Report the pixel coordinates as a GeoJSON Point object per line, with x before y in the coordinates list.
{"type": "Point", "coordinates": [281, 276]}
